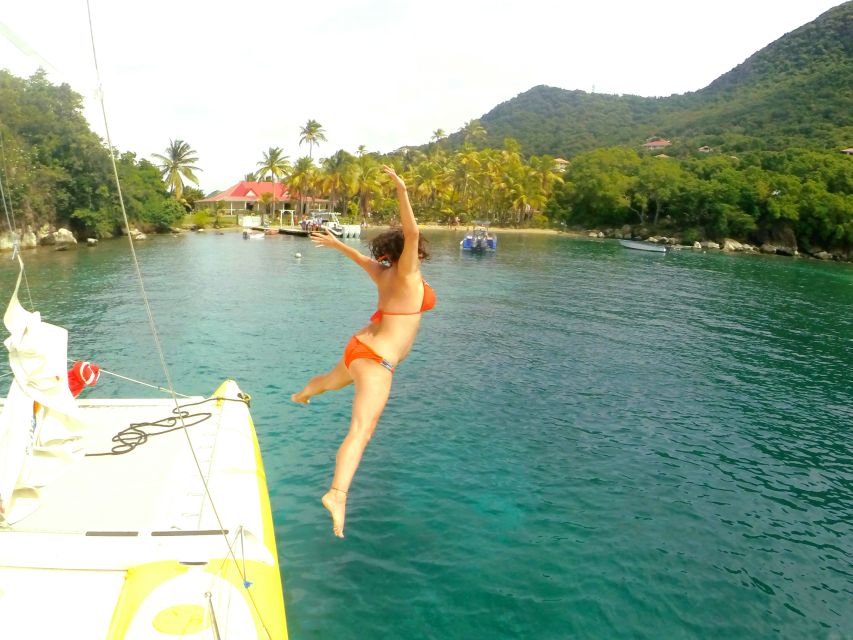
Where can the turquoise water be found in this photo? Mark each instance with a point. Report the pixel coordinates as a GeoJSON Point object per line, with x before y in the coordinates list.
{"type": "Point", "coordinates": [586, 442]}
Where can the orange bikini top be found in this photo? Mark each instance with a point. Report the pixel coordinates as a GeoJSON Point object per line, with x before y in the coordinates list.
{"type": "Point", "coordinates": [427, 304]}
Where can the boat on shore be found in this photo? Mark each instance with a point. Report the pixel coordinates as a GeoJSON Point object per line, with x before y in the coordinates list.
{"type": "Point", "coordinates": [639, 245]}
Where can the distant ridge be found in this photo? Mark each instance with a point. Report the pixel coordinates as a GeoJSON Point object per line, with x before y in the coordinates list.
{"type": "Point", "coordinates": [797, 91]}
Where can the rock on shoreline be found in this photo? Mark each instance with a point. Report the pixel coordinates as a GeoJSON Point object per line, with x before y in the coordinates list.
{"type": "Point", "coordinates": [728, 245]}
{"type": "Point", "coordinates": [47, 236]}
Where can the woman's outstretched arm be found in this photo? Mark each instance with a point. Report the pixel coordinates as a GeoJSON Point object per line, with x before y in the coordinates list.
{"type": "Point", "coordinates": [408, 262]}
{"type": "Point", "coordinates": [326, 239]}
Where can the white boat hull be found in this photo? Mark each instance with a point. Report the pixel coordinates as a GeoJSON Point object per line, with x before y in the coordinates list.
{"type": "Point", "coordinates": [643, 246]}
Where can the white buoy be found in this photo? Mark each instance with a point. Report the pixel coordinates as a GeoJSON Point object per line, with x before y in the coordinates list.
{"type": "Point", "coordinates": [298, 255]}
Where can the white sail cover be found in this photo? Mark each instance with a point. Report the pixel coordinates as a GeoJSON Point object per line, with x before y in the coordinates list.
{"type": "Point", "coordinates": [40, 415]}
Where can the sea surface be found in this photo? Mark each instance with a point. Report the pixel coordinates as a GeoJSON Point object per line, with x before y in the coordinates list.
{"type": "Point", "coordinates": [585, 442]}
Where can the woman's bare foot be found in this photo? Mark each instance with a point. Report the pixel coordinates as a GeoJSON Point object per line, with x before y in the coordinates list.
{"type": "Point", "coordinates": [335, 501]}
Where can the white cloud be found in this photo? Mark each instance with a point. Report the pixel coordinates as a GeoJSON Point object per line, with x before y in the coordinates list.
{"type": "Point", "coordinates": [233, 79]}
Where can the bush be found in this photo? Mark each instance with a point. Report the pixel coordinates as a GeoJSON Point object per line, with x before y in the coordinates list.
{"type": "Point", "coordinates": [691, 235]}
{"type": "Point", "coordinates": [540, 221]}
{"type": "Point", "coordinates": [100, 223]}
{"type": "Point", "coordinates": [201, 219]}
{"type": "Point", "coordinates": [165, 215]}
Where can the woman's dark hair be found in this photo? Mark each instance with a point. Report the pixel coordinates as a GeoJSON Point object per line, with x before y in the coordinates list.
{"type": "Point", "coordinates": [388, 246]}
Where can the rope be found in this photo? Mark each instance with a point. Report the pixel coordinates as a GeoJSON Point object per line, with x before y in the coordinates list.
{"type": "Point", "coordinates": [145, 384]}
{"type": "Point", "coordinates": [136, 434]}
{"type": "Point", "coordinates": [139, 382]}
{"type": "Point", "coordinates": [214, 626]}
{"type": "Point", "coordinates": [149, 313]}
{"type": "Point", "coordinates": [10, 219]}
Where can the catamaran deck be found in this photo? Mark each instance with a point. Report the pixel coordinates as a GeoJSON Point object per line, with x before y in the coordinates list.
{"type": "Point", "coordinates": [146, 513]}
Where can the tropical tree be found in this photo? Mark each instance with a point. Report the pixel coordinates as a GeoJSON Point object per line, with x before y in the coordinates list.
{"type": "Point", "coordinates": [473, 131]}
{"type": "Point", "coordinates": [337, 177]}
{"type": "Point", "coordinates": [266, 200]}
{"type": "Point", "coordinates": [302, 179]}
{"type": "Point", "coordinates": [312, 133]}
{"type": "Point", "coordinates": [177, 165]}
{"type": "Point", "coordinates": [274, 165]}
{"type": "Point", "coordinates": [366, 179]}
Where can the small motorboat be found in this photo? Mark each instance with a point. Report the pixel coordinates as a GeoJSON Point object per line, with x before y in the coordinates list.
{"type": "Point", "coordinates": [643, 246]}
{"type": "Point", "coordinates": [253, 235]}
{"type": "Point", "coordinates": [480, 240]}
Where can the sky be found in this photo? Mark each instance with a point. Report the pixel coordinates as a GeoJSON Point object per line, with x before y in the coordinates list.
{"type": "Point", "coordinates": [234, 79]}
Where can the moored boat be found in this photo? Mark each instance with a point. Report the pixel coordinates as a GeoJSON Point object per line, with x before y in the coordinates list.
{"type": "Point", "coordinates": [322, 220]}
{"type": "Point", "coordinates": [643, 246]}
{"type": "Point", "coordinates": [479, 240]}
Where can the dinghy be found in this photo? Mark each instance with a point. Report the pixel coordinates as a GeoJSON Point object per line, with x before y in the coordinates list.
{"type": "Point", "coordinates": [643, 246]}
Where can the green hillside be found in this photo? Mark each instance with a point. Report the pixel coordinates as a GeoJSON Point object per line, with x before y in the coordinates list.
{"type": "Point", "coordinates": [796, 92]}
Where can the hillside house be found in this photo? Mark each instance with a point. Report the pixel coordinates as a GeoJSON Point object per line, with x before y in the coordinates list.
{"type": "Point", "coordinates": [656, 145]}
{"type": "Point", "coordinates": [704, 149]}
{"type": "Point", "coordinates": [847, 152]}
{"type": "Point", "coordinates": [560, 164]}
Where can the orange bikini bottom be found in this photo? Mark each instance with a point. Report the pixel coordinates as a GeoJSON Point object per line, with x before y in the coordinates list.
{"type": "Point", "coordinates": [356, 350]}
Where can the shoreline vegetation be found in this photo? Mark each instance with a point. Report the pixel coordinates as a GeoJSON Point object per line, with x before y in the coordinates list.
{"type": "Point", "coordinates": [785, 201]}
{"type": "Point", "coordinates": [63, 240]}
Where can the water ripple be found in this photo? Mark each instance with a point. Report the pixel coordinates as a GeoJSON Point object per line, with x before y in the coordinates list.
{"type": "Point", "coordinates": [585, 442]}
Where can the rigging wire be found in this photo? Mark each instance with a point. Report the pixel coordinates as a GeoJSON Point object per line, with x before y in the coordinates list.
{"type": "Point", "coordinates": [139, 382]}
{"type": "Point", "coordinates": [10, 219]}
{"type": "Point", "coordinates": [150, 315]}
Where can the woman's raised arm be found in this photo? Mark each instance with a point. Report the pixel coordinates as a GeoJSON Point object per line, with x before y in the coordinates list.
{"type": "Point", "coordinates": [326, 239]}
{"type": "Point", "coordinates": [408, 262]}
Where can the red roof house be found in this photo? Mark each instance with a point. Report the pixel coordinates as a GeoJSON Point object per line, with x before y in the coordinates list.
{"type": "Point", "coordinates": [656, 144]}
{"type": "Point", "coordinates": [248, 192]}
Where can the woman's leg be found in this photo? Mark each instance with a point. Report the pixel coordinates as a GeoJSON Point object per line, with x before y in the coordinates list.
{"type": "Point", "coordinates": [337, 378]}
{"type": "Point", "coordinates": [372, 387]}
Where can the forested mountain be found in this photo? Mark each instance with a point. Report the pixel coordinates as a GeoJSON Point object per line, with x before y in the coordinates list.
{"type": "Point", "coordinates": [796, 92]}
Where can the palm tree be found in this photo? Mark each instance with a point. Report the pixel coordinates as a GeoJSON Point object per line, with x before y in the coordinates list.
{"type": "Point", "coordinates": [302, 179]}
{"type": "Point", "coordinates": [177, 165]}
{"type": "Point", "coordinates": [473, 131]}
{"type": "Point", "coordinates": [274, 165]}
{"type": "Point", "coordinates": [366, 180]}
{"type": "Point", "coordinates": [312, 133]}
{"type": "Point", "coordinates": [338, 176]}
{"type": "Point", "coordinates": [265, 200]}
{"type": "Point", "coordinates": [438, 135]}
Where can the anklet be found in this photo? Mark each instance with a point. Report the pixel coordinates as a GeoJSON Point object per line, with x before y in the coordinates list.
{"type": "Point", "coordinates": [338, 490]}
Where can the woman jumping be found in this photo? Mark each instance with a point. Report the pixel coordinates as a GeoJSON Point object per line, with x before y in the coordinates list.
{"type": "Point", "coordinates": [375, 350]}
